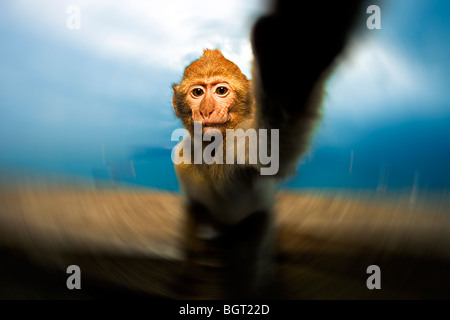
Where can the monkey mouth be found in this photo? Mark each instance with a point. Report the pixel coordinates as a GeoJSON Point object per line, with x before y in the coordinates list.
{"type": "Point", "coordinates": [222, 126]}
{"type": "Point", "coordinates": [215, 125]}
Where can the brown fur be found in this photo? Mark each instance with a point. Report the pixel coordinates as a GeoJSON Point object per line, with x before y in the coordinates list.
{"type": "Point", "coordinates": [213, 65]}
{"type": "Point", "coordinates": [235, 202]}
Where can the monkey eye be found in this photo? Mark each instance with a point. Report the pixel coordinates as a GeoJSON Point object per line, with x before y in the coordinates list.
{"type": "Point", "coordinates": [197, 92]}
{"type": "Point", "coordinates": [221, 90]}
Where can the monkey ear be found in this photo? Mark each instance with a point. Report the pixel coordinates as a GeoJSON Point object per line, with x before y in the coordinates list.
{"type": "Point", "coordinates": [175, 88]}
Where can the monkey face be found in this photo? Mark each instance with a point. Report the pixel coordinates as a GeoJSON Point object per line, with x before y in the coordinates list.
{"type": "Point", "coordinates": [213, 91]}
{"type": "Point", "coordinates": [211, 103]}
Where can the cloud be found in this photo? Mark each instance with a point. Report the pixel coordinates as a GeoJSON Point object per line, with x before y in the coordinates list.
{"type": "Point", "coordinates": [377, 80]}
{"type": "Point", "coordinates": [167, 34]}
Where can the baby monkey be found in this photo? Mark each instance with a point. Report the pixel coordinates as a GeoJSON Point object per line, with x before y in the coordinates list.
{"type": "Point", "coordinates": [230, 220]}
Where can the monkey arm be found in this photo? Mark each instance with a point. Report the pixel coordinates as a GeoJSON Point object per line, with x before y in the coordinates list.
{"type": "Point", "coordinates": [295, 48]}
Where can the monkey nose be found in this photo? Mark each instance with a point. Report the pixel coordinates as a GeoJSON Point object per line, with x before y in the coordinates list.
{"type": "Point", "coordinates": [206, 110]}
{"type": "Point", "coordinates": [206, 113]}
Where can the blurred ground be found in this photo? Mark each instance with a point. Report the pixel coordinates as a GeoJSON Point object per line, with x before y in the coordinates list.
{"type": "Point", "coordinates": [126, 243]}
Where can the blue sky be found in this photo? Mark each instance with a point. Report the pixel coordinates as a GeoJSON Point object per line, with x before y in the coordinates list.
{"type": "Point", "coordinates": [74, 100]}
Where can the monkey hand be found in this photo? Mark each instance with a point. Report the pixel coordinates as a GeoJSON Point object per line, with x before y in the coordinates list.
{"type": "Point", "coordinates": [296, 44]}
